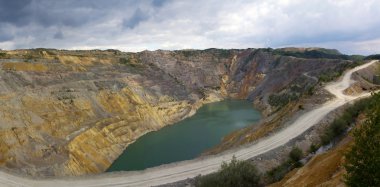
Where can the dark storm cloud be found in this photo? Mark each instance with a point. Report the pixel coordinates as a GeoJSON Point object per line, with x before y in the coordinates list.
{"type": "Point", "coordinates": [159, 3]}
{"type": "Point", "coordinates": [5, 33]}
{"type": "Point", "coordinates": [135, 25]}
{"type": "Point", "coordinates": [49, 13]}
{"type": "Point", "coordinates": [58, 35]}
{"type": "Point", "coordinates": [72, 13]}
{"type": "Point", "coordinates": [15, 12]}
{"type": "Point", "coordinates": [137, 17]}
{"type": "Point", "coordinates": [4, 37]}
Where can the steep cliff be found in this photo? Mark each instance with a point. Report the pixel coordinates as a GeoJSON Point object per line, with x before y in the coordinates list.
{"type": "Point", "coordinates": [74, 112]}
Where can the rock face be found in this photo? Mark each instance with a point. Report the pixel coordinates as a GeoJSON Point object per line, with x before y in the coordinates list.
{"type": "Point", "coordinates": [74, 112]}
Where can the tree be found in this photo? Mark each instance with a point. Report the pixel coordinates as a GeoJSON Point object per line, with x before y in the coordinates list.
{"type": "Point", "coordinates": [234, 174]}
{"type": "Point", "coordinates": [363, 159]}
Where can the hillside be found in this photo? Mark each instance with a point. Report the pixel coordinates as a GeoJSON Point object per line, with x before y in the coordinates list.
{"type": "Point", "coordinates": [74, 112]}
{"type": "Point", "coordinates": [329, 168]}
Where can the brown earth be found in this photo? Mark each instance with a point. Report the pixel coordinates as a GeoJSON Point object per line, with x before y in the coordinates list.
{"type": "Point", "coordinates": [74, 112]}
{"type": "Point", "coordinates": [322, 170]}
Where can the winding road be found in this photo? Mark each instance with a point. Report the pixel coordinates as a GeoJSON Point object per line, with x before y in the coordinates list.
{"type": "Point", "coordinates": [187, 169]}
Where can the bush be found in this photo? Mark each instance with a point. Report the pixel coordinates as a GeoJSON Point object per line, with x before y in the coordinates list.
{"type": "Point", "coordinates": [133, 64]}
{"type": "Point", "coordinates": [280, 100]}
{"type": "Point", "coordinates": [189, 53]}
{"type": "Point", "coordinates": [279, 172]}
{"type": "Point", "coordinates": [329, 76]}
{"type": "Point", "coordinates": [234, 174]}
{"type": "Point", "coordinates": [300, 107]}
{"type": "Point", "coordinates": [373, 57]}
{"type": "Point", "coordinates": [317, 53]}
{"type": "Point", "coordinates": [310, 90]}
{"type": "Point", "coordinates": [340, 124]}
{"type": "Point", "coordinates": [363, 159]}
{"type": "Point", "coordinates": [125, 60]}
{"type": "Point", "coordinates": [295, 154]}
{"type": "Point", "coordinates": [313, 148]}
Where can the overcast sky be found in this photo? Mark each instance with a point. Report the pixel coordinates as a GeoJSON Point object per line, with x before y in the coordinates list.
{"type": "Point", "coordinates": [351, 26]}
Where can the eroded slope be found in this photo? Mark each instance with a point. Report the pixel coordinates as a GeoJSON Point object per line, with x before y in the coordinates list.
{"type": "Point", "coordinates": [74, 112]}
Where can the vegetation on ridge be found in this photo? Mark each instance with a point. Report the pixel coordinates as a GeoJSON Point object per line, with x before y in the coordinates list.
{"type": "Point", "coordinates": [314, 53]}
{"type": "Point", "coordinates": [330, 75]}
{"type": "Point", "coordinates": [363, 159]}
{"type": "Point", "coordinates": [341, 123]}
{"type": "Point", "coordinates": [373, 57]}
{"type": "Point", "coordinates": [280, 171]}
{"type": "Point", "coordinates": [237, 173]}
{"type": "Point", "coordinates": [280, 100]}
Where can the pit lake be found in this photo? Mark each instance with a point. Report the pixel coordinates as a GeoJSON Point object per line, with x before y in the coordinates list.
{"type": "Point", "coordinates": [188, 138]}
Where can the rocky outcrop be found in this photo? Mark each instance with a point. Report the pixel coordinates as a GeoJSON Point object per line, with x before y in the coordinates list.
{"type": "Point", "coordinates": [74, 112]}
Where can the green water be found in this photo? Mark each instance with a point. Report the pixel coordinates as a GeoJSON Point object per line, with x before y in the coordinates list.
{"type": "Point", "coordinates": [187, 139]}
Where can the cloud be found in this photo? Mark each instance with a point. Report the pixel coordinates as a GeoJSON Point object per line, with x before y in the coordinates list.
{"type": "Point", "coordinates": [15, 12]}
{"type": "Point", "coordinates": [159, 3]}
{"type": "Point", "coordinates": [349, 25]}
{"type": "Point", "coordinates": [58, 35]}
{"type": "Point", "coordinates": [4, 37]}
{"type": "Point", "coordinates": [137, 17]}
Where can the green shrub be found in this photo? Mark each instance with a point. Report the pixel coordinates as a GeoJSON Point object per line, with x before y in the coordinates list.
{"type": "Point", "coordinates": [279, 172]}
{"type": "Point", "coordinates": [310, 90]}
{"type": "Point", "coordinates": [280, 100]}
{"type": "Point", "coordinates": [327, 137]}
{"type": "Point", "coordinates": [295, 154]}
{"type": "Point", "coordinates": [132, 63]}
{"type": "Point", "coordinates": [125, 61]}
{"type": "Point", "coordinates": [363, 159]}
{"type": "Point", "coordinates": [234, 174]}
{"type": "Point", "coordinates": [313, 148]}
{"type": "Point", "coordinates": [373, 57]}
{"type": "Point", "coordinates": [300, 107]}
{"type": "Point", "coordinates": [225, 53]}
{"type": "Point", "coordinates": [317, 53]}
{"type": "Point", "coordinates": [189, 53]}
{"type": "Point", "coordinates": [329, 76]}
{"type": "Point", "coordinates": [340, 124]}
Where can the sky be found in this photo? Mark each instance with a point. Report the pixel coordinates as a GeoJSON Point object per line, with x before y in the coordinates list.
{"type": "Point", "coordinates": [351, 26]}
